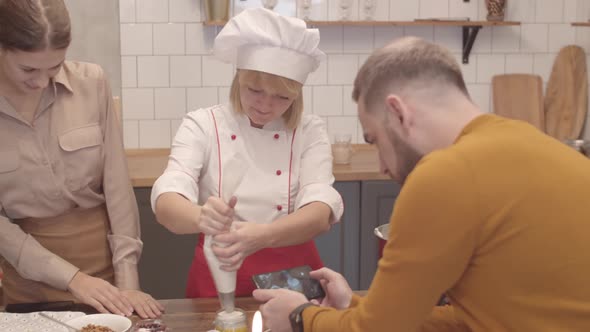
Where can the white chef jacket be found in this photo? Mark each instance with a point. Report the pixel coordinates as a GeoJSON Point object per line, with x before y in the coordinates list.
{"type": "Point", "coordinates": [285, 168]}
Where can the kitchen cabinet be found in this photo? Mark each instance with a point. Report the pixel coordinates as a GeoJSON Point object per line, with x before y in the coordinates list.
{"type": "Point", "coordinates": [350, 247]}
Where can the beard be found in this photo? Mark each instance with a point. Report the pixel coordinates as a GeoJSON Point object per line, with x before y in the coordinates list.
{"type": "Point", "coordinates": [407, 157]}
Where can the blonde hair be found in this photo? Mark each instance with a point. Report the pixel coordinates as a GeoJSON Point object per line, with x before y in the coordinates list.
{"type": "Point", "coordinates": [274, 84]}
{"type": "Point", "coordinates": [404, 62]}
{"type": "Point", "coordinates": [34, 25]}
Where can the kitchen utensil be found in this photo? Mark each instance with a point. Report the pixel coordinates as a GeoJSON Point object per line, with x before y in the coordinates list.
{"type": "Point", "coordinates": [69, 327]}
{"type": "Point", "coordinates": [519, 96]}
{"type": "Point", "coordinates": [566, 98]}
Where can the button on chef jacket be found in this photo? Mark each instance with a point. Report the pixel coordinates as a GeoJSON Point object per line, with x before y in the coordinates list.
{"type": "Point", "coordinates": [285, 170]}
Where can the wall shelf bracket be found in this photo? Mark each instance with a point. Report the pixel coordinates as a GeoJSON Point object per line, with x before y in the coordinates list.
{"type": "Point", "coordinates": [469, 35]}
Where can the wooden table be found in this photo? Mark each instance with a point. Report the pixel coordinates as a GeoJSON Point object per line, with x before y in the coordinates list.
{"type": "Point", "coordinates": [197, 315]}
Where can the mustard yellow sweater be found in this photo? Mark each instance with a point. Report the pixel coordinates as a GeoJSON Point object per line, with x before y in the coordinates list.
{"type": "Point", "coordinates": [501, 222]}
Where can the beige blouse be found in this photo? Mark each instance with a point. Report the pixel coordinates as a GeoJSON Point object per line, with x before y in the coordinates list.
{"type": "Point", "coordinates": [71, 156]}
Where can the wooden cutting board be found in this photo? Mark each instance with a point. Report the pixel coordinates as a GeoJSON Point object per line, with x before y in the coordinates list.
{"type": "Point", "coordinates": [519, 96]}
{"type": "Point", "coordinates": [566, 99]}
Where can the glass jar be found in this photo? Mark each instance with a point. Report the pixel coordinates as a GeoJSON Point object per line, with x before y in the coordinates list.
{"type": "Point", "coordinates": [231, 322]}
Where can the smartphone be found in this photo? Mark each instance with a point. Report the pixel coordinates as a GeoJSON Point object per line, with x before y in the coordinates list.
{"type": "Point", "coordinates": [296, 279]}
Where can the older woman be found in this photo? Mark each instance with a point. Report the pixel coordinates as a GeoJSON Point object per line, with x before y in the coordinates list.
{"type": "Point", "coordinates": [285, 197]}
{"type": "Point", "coordinates": [69, 226]}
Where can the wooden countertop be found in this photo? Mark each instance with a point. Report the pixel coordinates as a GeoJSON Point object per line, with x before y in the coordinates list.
{"type": "Point", "coordinates": [146, 165]}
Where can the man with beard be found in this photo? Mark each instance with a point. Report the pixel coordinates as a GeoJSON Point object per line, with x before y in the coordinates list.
{"type": "Point", "coordinates": [492, 212]}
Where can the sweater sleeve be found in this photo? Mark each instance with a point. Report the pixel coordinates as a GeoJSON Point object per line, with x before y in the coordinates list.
{"type": "Point", "coordinates": [432, 238]}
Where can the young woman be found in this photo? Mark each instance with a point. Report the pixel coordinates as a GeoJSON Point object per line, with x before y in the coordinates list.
{"type": "Point", "coordinates": [69, 225]}
{"type": "Point", "coordinates": [285, 197]}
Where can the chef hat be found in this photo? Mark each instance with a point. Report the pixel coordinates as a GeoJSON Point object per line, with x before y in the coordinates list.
{"type": "Point", "coordinates": [262, 40]}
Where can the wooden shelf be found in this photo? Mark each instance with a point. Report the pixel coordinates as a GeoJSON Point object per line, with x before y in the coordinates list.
{"type": "Point", "coordinates": [581, 24]}
{"type": "Point", "coordinates": [470, 28]}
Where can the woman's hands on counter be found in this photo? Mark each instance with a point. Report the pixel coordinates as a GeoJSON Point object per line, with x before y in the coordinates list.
{"type": "Point", "coordinates": [144, 304]}
{"type": "Point", "coordinates": [100, 294]}
{"type": "Point", "coordinates": [106, 298]}
{"type": "Point", "coordinates": [244, 239]}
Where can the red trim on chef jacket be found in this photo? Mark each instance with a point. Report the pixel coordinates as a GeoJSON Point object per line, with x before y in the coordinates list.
{"type": "Point", "coordinates": [218, 151]}
{"type": "Point", "coordinates": [200, 283]}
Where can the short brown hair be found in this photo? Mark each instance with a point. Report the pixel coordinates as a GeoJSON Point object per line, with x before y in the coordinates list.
{"type": "Point", "coordinates": [279, 84]}
{"type": "Point", "coordinates": [406, 60]}
{"type": "Point", "coordinates": [34, 25]}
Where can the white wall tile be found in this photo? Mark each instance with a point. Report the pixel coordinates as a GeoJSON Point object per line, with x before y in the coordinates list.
{"type": "Point", "coordinates": [549, 11]}
{"type": "Point", "coordinates": [488, 66]}
{"type": "Point", "coordinates": [128, 71]}
{"type": "Point", "coordinates": [138, 104]}
{"type": "Point", "coordinates": [483, 43]}
{"type": "Point", "coordinates": [168, 38]}
{"type": "Point", "coordinates": [327, 100]}
{"type": "Point", "coordinates": [185, 71]}
{"type": "Point", "coordinates": [519, 10]}
{"type": "Point", "coordinates": [152, 11]}
{"type": "Point", "coordinates": [217, 73]}
{"type": "Point", "coordinates": [199, 39]}
{"type": "Point", "coordinates": [320, 76]}
{"type": "Point", "coordinates": [403, 10]}
{"type": "Point", "coordinates": [385, 35]}
{"type": "Point", "coordinates": [154, 134]}
{"type": "Point", "coordinates": [342, 125]}
{"type": "Point", "coordinates": [307, 100]}
{"type": "Point", "coordinates": [153, 71]}
{"type": "Point", "coordinates": [561, 35]}
{"type": "Point", "coordinates": [583, 12]}
{"type": "Point", "coordinates": [480, 95]}
{"type": "Point", "coordinates": [131, 134]}
{"type": "Point", "coordinates": [424, 32]}
{"type": "Point", "coordinates": [335, 13]}
{"type": "Point", "coordinates": [468, 70]}
{"type": "Point", "coordinates": [534, 38]}
{"type": "Point", "coordinates": [542, 65]}
{"type": "Point", "coordinates": [331, 39]}
{"type": "Point", "coordinates": [201, 98]}
{"type": "Point", "coordinates": [460, 8]}
{"type": "Point", "coordinates": [358, 39]}
{"type": "Point", "coordinates": [349, 107]}
{"type": "Point", "coordinates": [127, 11]}
{"type": "Point", "coordinates": [570, 11]}
{"type": "Point", "coordinates": [136, 39]}
{"type": "Point", "coordinates": [223, 95]}
{"type": "Point", "coordinates": [449, 37]}
{"type": "Point", "coordinates": [185, 11]}
{"type": "Point", "coordinates": [170, 103]}
{"type": "Point", "coordinates": [434, 8]}
{"type": "Point", "coordinates": [506, 39]}
{"type": "Point", "coordinates": [362, 59]}
{"type": "Point", "coordinates": [583, 39]}
{"type": "Point", "coordinates": [380, 11]}
{"type": "Point", "coordinates": [174, 125]}
{"type": "Point", "coordinates": [519, 64]}
{"type": "Point", "coordinates": [342, 69]}
{"type": "Point", "coordinates": [319, 10]}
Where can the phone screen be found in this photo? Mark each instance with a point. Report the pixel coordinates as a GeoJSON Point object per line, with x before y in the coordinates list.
{"type": "Point", "coordinates": [296, 279]}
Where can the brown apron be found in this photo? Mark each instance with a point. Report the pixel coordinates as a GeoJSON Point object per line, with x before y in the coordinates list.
{"type": "Point", "coordinates": [79, 237]}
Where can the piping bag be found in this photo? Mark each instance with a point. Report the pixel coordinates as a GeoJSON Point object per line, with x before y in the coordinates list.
{"type": "Point", "coordinates": [225, 282]}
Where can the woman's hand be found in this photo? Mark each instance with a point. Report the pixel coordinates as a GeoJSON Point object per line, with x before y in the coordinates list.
{"type": "Point", "coordinates": [244, 239]}
{"type": "Point", "coordinates": [217, 216]}
{"type": "Point", "coordinates": [143, 304]}
{"type": "Point", "coordinates": [99, 294]}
